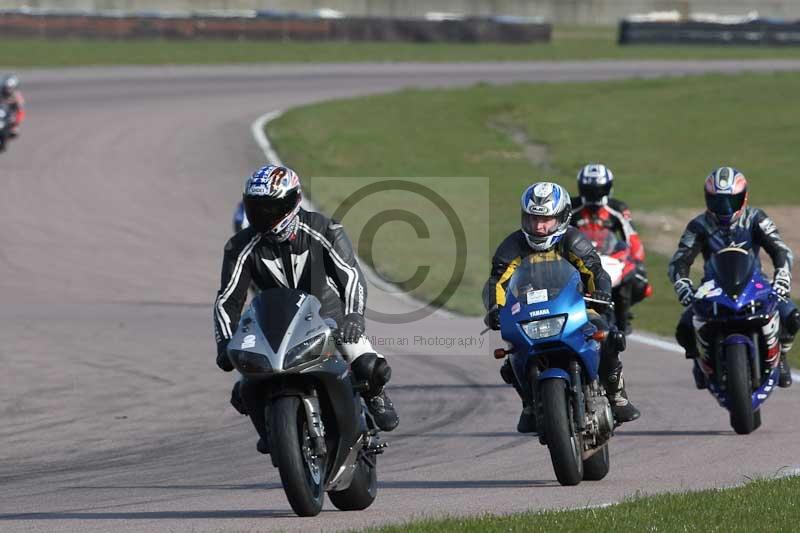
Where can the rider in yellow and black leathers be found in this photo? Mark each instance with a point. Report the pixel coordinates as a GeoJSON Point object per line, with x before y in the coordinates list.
{"type": "Point", "coordinates": [540, 202]}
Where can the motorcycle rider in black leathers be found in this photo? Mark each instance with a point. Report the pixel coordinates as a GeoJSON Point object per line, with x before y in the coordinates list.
{"type": "Point", "coordinates": [595, 208]}
{"type": "Point", "coordinates": [287, 246]}
{"type": "Point", "coordinates": [730, 222]}
{"type": "Point", "coordinates": [546, 212]}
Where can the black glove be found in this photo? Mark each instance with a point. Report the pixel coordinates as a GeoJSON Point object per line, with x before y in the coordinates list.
{"type": "Point", "coordinates": [492, 318]}
{"type": "Point", "coordinates": [603, 302]}
{"type": "Point", "coordinates": [223, 361]}
{"type": "Point", "coordinates": [352, 329]}
{"type": "Point", "coordinates": [685, 291]}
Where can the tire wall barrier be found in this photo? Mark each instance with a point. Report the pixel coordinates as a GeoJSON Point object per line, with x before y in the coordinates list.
{"type": "Point", "coordinates": [758, 32]}
{"type": "Point", "coordinates": [272, 28]}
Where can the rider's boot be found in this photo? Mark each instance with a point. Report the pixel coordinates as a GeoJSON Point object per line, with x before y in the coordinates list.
{"type": "Point", "coordinates": [527, 418]}
{"type": "Point", "coordinates": [376, 372]}
{"type": "Point", "coordinates": [621, 407]}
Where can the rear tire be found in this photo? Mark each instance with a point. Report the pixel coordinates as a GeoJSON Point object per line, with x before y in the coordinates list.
{"type": "Point", "coordinates": [756, 420]}
{"type": "Point", "coordinates": [740, 392]}
{"type": "Point", "coordinates": [564, 445]}
{"type": "Point", "coordinates": [362, 490]}
{"type": "Point", "coordinates": [596, 467]}
{"type": "Point", "coordinates": [302, 482]}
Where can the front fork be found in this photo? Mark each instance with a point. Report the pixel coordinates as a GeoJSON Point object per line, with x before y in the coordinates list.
{"type": "Point", "coordinates": [316, 429]}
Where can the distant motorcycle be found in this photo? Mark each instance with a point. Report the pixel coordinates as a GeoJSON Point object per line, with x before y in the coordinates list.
{"type": "Point", "coordinates": [7, 118]}
{"type": "Point", "coordinates": [555, 354]}
{"type": "Point", "coordinates": [615, 256]}
{"type": "Point", "coordinates": [738, 336]}
{"type": "Point", "coordinates": [306, 403]}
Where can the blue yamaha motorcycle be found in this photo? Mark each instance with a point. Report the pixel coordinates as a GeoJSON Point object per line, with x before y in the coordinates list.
{"type": "Point", "coordinates": [737, 326]}
{"type": "Point", "coordinates": [555, 353]}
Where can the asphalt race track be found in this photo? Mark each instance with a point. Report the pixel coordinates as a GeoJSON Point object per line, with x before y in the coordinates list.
{"type": "Point", "coordinates": [115, 206]}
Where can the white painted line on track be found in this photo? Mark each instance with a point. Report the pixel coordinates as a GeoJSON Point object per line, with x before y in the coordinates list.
{"type": "Point", "coordinates": [673, 346]}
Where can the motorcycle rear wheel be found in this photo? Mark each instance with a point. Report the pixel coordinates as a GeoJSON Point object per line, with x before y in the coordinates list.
{"type": "Point", "coordinates": [362, 490]}
{"type": "Point", "coordinates": [597, 466]}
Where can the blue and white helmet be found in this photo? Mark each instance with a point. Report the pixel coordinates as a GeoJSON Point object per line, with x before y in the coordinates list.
{"type": "Point", "coordinates": [541, 201]}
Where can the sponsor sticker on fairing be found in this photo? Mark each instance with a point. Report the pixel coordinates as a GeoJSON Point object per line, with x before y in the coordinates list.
{"type": "Point", "coordinates": [248, 342]}
{"type": "Point", "coordinates": [537, 296]}
{"type": "Point", "coordinates": [515, 308]}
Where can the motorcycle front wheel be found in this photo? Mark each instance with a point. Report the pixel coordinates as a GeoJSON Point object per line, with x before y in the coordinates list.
{"type": "Point", "coordinates": [302, 473]}
{"type": "Point", "coordinates": [563, 442]}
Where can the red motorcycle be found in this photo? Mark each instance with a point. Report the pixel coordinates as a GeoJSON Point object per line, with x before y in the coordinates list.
{"type": "Point", "coordinates": [629, 285]}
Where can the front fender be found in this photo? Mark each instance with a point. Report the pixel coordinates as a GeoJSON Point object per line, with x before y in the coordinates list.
{"type": "Point", "coordinates": [554, 373]}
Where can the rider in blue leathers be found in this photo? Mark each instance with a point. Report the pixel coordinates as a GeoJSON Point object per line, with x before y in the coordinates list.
{"type": "Point", "coordinates": [729, 221]}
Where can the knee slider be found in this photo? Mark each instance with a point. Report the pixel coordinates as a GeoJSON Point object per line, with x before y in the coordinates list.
{"type": "Point", "coordinates": [684, 335]}
{"type": "Point", "coordinates": [372, 369]}
{"type": "Point", "coordinates": [793, 323]}
{"type": "Point", "coordinates": [615, 342]}
{"type": "Point", "coordinates": [507, 373]}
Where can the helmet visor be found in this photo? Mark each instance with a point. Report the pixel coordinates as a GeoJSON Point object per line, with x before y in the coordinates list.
{"type": "Point", "coordinates": [265, 212]}
{"type": "Point", "coordinates": [539, 225]}
{"type": "Point", "coordinates": [725, 204]}
{"type": "Point", "coordinates": [594, 193]}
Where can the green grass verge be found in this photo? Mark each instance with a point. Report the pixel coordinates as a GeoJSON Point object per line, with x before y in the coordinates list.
{"type": "Point", "coordinates": [568, 43]}
{"type": "Point", "coordinates": [764, 505]}
{"type": "Point", "coordinates": [661, 137]}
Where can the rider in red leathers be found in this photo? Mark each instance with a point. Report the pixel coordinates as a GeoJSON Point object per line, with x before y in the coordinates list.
{"type": "Point", "coordinates": [11, 95]}
{"type": "Point", "coordinates": [594, 208]}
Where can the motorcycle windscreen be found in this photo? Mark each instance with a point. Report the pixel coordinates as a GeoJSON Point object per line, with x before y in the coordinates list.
{"type": "Point", "coordinates": [538, 273]}
{"type": "Point", "coordinates": [733, 268]}
{"type": "Point", "coordinates": [275, 309]}
{"type": "Point", "coordinates": [604, 240]}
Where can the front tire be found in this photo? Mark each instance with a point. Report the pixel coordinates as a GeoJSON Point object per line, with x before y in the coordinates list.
{"type": "Point", "coordinates": [362, 490]}
{"type": "Point", "coordinates": [301, 475]}
{"type": "Point", "coordinates": [739, 391]}
{"type": "Point", "coordinates": [562, 441]}
{"type": "Point", "coordinates": [596, 467]}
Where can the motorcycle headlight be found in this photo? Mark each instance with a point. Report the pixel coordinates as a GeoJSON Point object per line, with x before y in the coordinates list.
{"type": "Point", "coordinates": [250, 363]}
{"type": "Point", "coordinates": [306, 351]}
{"type": "Point", "coordinates": [546, 327]}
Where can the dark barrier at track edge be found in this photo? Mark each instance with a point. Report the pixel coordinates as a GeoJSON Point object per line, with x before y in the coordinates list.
{"type": "Point", "coordinates": [758, 32]}
{"type": "Point", "coordinates": [271, 27]}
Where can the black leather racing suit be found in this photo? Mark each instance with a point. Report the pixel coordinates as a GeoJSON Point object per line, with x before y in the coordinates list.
{"type": "Point", "coordinates": [752, 231]}
{"type": "Point", "coordinates": [319, 260]}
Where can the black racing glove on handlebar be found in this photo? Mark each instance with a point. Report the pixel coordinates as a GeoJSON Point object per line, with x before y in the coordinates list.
{"type": "Point", "coordinates": [492, 318]}
{"type": "Point", "coordinates": [352, 329]}
{"type": "Point", "coordinates": [603, 301]}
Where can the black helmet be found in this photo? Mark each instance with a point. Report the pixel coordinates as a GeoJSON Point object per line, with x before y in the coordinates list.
{"type": "Point", "coordinates": [594, 184]}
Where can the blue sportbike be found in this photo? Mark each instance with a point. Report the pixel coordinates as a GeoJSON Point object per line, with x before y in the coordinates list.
{"type": "Point", "coordinates": [737, 326]}
{"type": "Point", "coordinates": [555, 354]}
